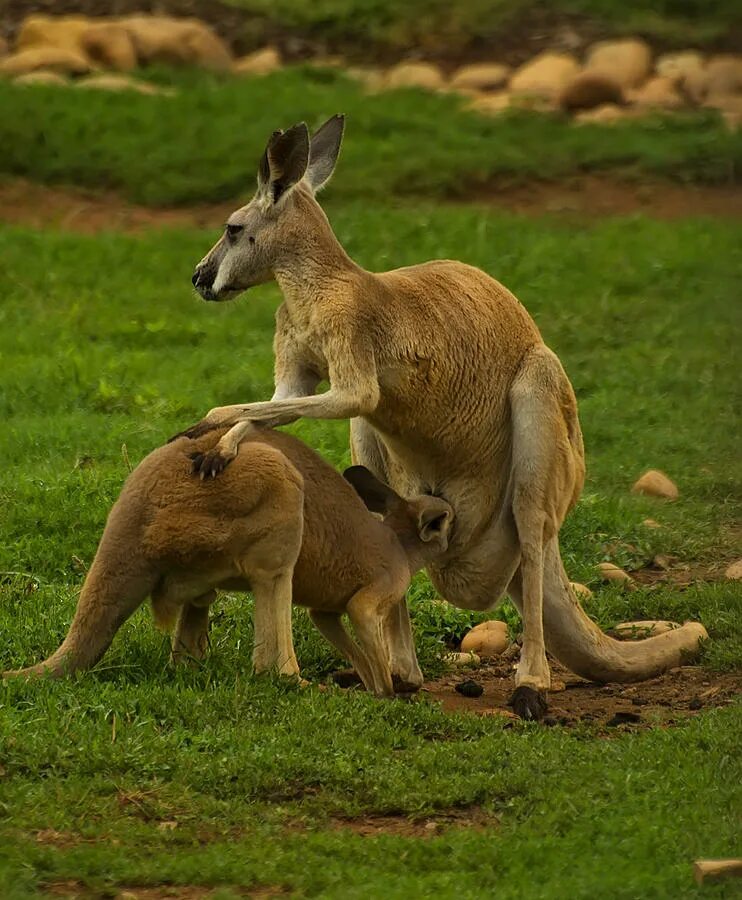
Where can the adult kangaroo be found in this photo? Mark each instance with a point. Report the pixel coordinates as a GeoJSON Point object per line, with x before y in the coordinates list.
{"type": "Point", "coordinates": [451, 391]}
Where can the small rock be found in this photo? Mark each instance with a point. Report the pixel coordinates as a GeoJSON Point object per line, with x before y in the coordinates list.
{"type": "Point", "coordinates": [609, 572]}
{"type": "Point", "coordinates": [658, 93]}
{"type": "Point", "coordinates": [696, 703]}
{"type": "Point", "coordinates": [52, 59]}
{"type": "Point", "coordinates": [488, 639]}
{"type": "Point", "coordinates": [462, 659]}
{"type": "Point", "coordinates": [371, 79]}
{"type": "Point", "coordinates": [635, 631]}
{"type": "Point", "coordinates": [679, 65]}
{"type": "Point", "coordinates": [116, 83]}
{"type": "Point", "coordinates": [261, 62]}
{"type": "Point", "coordinates": [480, 77]}
{"type": "Point", "coordinates": [42, 77]}
{"type": "Point", "coordinates": [650, 523]}
{"type": "Point", "coordinates": [607, 114]}
{"type": "Point", "coordinates": [414, 75]}
{"type": "Point", "coordinates": [581, 590]}
{"type": "Point", "coordinates": [490, 104]}
{"type": "Point", "coordinates": [545, 75]}
{"type": "Point", "coordinates": [588, 90]}
{"type": "Point", "coordinates": [734, 571]}
{"type": "Point", "coordinates": [109, 45]}
{"type": "Point", "coordinates": [724, 75]}
{"type": "Point", "coordinates": [628, 61]}
{"type": "Point", "coordinates": [469, 689]}
{"type": "Point", "coordinates": [654, 483]}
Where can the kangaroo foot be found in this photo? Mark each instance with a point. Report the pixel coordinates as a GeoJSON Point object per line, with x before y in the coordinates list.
{"type": "Point", "coordinates": [528, 703]}
{"type": "Point", "coordinates": [210, 464]}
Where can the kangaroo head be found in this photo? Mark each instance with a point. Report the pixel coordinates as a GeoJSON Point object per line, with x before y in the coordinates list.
{"type": "Point", "coordinates": [422, 524]}
{"type": "Point", "coordinates": [258, 236]}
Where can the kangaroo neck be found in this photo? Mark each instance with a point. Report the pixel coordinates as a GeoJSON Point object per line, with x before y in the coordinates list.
{"type": "Point", "coordinates": [314, 265]}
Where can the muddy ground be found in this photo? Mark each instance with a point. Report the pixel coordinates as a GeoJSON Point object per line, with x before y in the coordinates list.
{"type": "Point", "coordinates": [39, 206]}
{"type": "Point", "coordinates": [661, 702]}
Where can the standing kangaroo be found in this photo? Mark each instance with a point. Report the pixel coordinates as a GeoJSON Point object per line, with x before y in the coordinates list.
{"type": "Point", "coordinates": [450, 390]}
{"type": "Point", "coordinates": [282, 523]}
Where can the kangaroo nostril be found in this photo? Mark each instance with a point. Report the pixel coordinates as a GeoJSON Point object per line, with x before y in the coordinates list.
{"type": "Point", "coordinates": [196, 276]}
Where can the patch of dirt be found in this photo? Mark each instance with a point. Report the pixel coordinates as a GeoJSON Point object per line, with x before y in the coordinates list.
{"type": "Point", "coordinates": [76, 890]}
{"type": "Point", "coordinates": [600, 196]}
{"type": "Point", "coordinates": [667, 700]}
{"type": "Point", "coordinates": [39, 206]}
{"type": "Point", "coordinates": [403, 826]}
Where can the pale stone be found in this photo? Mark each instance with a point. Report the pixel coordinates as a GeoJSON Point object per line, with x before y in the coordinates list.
{"type": "Point", "coordinates": [52, 59]}
{"type": "Point", "coordinates": [462, 659]}
{"type": "Point", "coordinates": [261, 62]}
{"type": "Point", "coordinates": [734, 571]}
{"type": "Point", "coordinates": [679, 65]}
{"type": "Point", "coordinates": [487, 639]}
{"type": "Point", "coordinates": [610, 572]}
{"type": "Point", "coordinates": [607, 114]}
{"type": "Point", "coordinates": [658, 93]}
{"type": "Point", "coordinates": [63, 32]}
{"type": "Point", "coordinates": [177, 41]}
{"type": "Point", "coordinates": [110, 46]}
{"type": "Point", "coordinates": [628, 61]}
{"type": "Point", "coordinates": [42, 77]}
{"type": "Point", "coordinates": [110, 82]}
{"type": "Point", "coordinates": [490, 104]}
{"type": "Point", "coordinates": [654, 483]}
{"type": "Point", "coordinates": [650, 523]}
{"type": "Point", "coordinates": [545, 75]}
{"type": "Point", "coordinates": [480, 77]}
{"type": "Point", "coordinates": [414, 75]}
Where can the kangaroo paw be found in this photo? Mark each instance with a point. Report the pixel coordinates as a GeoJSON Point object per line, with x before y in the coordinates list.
{"type": "Point", "coordinates": [528, 703]}
{"type": "Point", "coordinates": [209, 465]}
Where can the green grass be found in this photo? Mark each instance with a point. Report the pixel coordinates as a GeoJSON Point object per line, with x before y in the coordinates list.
{"type": "Point", "coordinates": [204, 143]}
{"type": "Point", "coordinates": [443, 28]}
{"type": "Point", "coordinates": [102, 345]}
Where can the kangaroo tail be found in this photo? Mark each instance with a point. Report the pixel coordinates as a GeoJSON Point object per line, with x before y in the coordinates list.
{"type": "Point", "coordinates": [107, 599]}
{"type": "Point", "coordinates": [579, 644]}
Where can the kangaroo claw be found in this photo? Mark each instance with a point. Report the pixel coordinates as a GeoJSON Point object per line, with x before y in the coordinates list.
{"type": "Point", "coordinates": [529, 704]}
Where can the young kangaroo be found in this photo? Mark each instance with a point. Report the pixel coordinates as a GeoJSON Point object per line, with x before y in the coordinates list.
{"type": "Point", "coordinates": [280, 522]}
{"type": "Point", "coordinates": [451, 391]}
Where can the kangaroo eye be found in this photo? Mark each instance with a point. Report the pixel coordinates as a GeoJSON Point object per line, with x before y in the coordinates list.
{"type": "Point", "coordinates": [234, 230]}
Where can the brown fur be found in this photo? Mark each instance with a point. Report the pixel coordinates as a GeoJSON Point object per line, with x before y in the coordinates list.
{"type": "Point", "coordinates": [281, 522]}
{"type": "Point", "coordinates": [450, 389]}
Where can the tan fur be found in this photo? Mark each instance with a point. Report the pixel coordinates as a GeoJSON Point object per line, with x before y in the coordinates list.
{"type": "Point", "coordinates": [450, 389]}
{"type": "Point", "coordinates": [281, 522]}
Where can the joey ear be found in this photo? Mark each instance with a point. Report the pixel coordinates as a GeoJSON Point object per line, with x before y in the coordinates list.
{"type": "Point", "coordinates": [375, 494]}
{"type": "Point", "coordinates": [434, 520]}
{"type": "Point", "coordinates": [324, 148]}
{"type": "Point", "coordinates": [285, 160]}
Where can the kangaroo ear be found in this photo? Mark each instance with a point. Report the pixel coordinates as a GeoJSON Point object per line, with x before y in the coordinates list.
{"type": "Point", "coordinates": [284, 162]}
{"type": "Point", "coordinates": [434, 520]}
{"type": "Point", "coordinates": [323, 152]}
{"type": "Point", "coordinates": [375, 494]}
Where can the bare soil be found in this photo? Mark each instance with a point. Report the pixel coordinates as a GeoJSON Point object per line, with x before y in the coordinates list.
{"type": "Point", "coordinates": [667, 700]}
{"type": "Point", "coordinates": [40, 206]}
